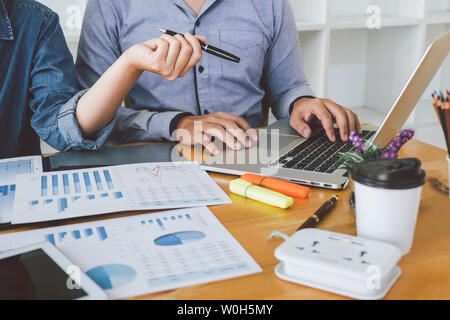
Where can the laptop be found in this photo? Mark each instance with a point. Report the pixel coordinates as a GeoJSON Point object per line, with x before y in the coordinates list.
{"type": "Point", "coordinates": [283, 153]}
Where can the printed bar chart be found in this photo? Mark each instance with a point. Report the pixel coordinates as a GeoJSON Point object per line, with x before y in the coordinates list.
{"type": "Point", "coordinates": [77, 235]}
{"type": "Point", "coordinates": [85, 192]}
{"type": "Point", "coordinates": [9, 170]}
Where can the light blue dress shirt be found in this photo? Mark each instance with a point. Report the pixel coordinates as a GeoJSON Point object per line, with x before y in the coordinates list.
{"type": "Point", "coordinates": [261, 32]}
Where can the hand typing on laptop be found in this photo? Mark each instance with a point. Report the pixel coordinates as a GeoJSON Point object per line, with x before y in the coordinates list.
{"type": "Point", "coordinates": [236, 133]}
{"type": "Point", "coordinates": [326, 111]}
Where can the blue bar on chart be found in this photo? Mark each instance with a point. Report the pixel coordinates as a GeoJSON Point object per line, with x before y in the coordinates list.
{"type": "Point", "coordinates": [76, 198]}
{"type": "Point", "coordinates": [55, 184]}
{"type": "Point", "coordinates": [87, 181]}
{"type": "Point", "coordinates": [104, 195]}
{"type": "Point", "coordinates": [48, 201]}
{"type": "Point", "coordinates": [90, 197]}
{"type": "Point", "coordinates": [88, 232]}
{"type": "Point", "coordinates": [102, 233]}
{"type": "Point", "coordinates": [108, 179]}
{"type": "Point", "coordinates": [76, 234]}
{"type": "Point", "coordinates": [118, 195]}
{"type": "Point", "coordinates": [76, 182]}
{"type": "Point", "coordinates": [161, 225]}
{"type": "Point", "coordinates": [50, 238]}
{"type": "Point", "coordinates": [98, 181]}
{"type": "Point", "coordinates": [62, 205]}
{"type": "Point", "coordinates": [188, 216]}
{"type": "Point", "coordinates": [66, 183]}
{"type": "Point", "coordinates": [44, 186]}
{"type": "Point", "coordinates": [62, 235]}
{"type": "Point", "coordinates": [34, 203]}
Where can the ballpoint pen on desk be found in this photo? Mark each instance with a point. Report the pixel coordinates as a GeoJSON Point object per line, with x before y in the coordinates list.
{"type": "Point", "coordinates": [320, 214]}
{"type": "Point", "coordinates": [208, 48]}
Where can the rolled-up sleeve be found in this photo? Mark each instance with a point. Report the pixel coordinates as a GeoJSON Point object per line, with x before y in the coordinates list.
{"type": "Point", "coordinates": [54, 93]}
{"type": "Point", "coordinates": [70, 130]}
{"type": "Point", "coordinates": [283, 73]}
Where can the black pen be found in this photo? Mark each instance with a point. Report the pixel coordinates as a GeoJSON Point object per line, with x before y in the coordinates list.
{"type": "Point", "coordinates": [320, 214]}
{"type": "Point", "coordinates": [208, 48]}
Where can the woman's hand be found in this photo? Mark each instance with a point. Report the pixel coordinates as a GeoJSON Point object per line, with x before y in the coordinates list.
{"type": "Point", "coordinates": [169, 56]}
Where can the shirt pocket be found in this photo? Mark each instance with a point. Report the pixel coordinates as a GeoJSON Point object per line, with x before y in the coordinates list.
{"type": "Point", "coordinates": [247, 45]}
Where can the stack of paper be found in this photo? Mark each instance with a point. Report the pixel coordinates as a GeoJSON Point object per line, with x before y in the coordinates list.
{"type": "Point", "coordinates": [147, 253]}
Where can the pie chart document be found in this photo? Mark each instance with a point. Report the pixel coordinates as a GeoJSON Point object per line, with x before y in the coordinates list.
{"type": "Point", "coordinates": [148, 253]}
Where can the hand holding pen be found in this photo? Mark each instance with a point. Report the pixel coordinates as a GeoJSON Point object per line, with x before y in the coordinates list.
{"type": "Point", "coordinates": [208, 48]}
{"type": "Point", "coordinates": [169, 56]}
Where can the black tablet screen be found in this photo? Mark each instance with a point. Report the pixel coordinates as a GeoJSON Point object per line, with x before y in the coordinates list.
{"type": "Point", "coordinates": [34, 276]}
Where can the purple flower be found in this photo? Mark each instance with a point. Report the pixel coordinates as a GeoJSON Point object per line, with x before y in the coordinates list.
{"type": "Point", "coordinates": [393, 148]}
{"type": "Point", "coordinates": [358, 142]}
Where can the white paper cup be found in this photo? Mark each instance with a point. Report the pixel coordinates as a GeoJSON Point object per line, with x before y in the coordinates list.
{"type": "Point", "coordinates": [387, 215]}
{"type": "Point", "coordinates": [387, 200]}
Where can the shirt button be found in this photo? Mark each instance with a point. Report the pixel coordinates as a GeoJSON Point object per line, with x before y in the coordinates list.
{"type": "Point", "coordinates": [197, 23]}
{"type": "Point", "coordinates": [201, 69]}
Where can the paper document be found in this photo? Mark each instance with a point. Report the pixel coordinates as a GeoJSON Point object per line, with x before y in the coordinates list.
{"type": "Point", "coordinates": [9, 170]}
{"type": "Point", "coordinates": [148, 186]}
{"type": "Point", "coordinates": [147, 253]}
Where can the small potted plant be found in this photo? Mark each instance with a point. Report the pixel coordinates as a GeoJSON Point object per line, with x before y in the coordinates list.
{"type": "Point", "coordinates": [365, 150]}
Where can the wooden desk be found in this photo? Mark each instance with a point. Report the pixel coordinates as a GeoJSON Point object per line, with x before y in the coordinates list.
{"type": "Point", "coordinates": [425, 271]}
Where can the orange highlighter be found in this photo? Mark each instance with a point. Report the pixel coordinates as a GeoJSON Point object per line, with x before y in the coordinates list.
{"type": "Point", "coordinates": [284, 187]}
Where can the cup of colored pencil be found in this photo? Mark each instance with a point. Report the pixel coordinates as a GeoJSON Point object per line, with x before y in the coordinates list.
{"type": "Point", "coordinates": [441, 103]}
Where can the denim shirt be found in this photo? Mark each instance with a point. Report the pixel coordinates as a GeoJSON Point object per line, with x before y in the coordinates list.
{"type": "Point", "coordinates": [262, 33]}
{"type": "Point", "coordinates": [38, 92]}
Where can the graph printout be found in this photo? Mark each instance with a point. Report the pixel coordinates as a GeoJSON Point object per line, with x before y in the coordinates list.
{"type": "Point", "coordinates": [148, 186]}
{"type": "Point", "coordinates": [147, 253]}
{"type": "Point", "coordinates": [9, 170]}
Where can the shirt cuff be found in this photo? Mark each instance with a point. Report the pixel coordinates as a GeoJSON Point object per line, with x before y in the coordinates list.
{"type": "Point", "coordinates": [176, 119]}
{"type": "Point", "coordinates": [160, 124]}
{"type": "Point", "coordinates": [289, 98]}
{"type": "Point", "coordinates": [70, 129]}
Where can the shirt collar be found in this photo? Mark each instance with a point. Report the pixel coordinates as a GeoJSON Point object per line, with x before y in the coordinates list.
{"type": "Point", "coordinates": [6, 32]}
{"type": "Point", "coordinates": [182, 4]}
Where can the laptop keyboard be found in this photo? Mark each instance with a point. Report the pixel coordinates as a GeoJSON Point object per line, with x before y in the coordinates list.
{"type": "Point", "coordinates": [319, 154]}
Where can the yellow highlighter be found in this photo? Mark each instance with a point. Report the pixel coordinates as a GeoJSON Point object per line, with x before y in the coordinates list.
{"type": "Point", "coordinates": [248, 190]}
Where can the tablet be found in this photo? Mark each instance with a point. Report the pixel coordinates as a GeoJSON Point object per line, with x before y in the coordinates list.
{"type": "Point", "coordinates": [41, 272]}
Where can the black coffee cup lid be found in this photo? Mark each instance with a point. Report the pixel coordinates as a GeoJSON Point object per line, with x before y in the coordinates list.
{"type": "Point", "coordinates": [390, 173]}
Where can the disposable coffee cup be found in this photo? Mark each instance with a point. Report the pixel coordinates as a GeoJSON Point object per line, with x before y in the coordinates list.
{"type": "Point", "coordinates": [387, 199]}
